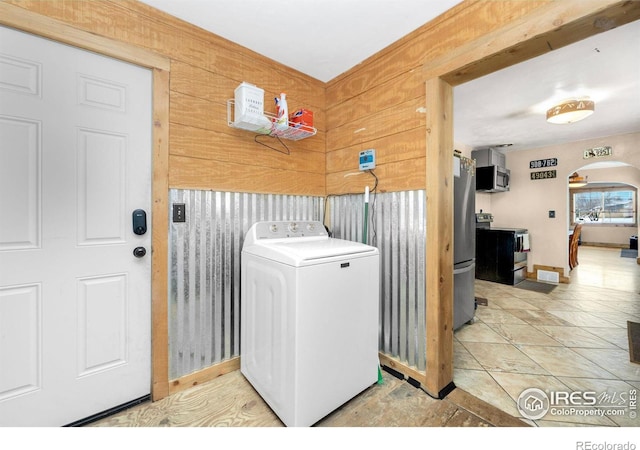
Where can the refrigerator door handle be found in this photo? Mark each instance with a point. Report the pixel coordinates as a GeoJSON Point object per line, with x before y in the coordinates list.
{"type": "Point", "coordinates": [464, 269]}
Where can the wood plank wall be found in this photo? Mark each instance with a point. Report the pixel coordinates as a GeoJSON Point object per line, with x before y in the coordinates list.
{"type": "Point", "coordinates": [380, 103]}
{"type": "Point", "coordinates": [205, 153]}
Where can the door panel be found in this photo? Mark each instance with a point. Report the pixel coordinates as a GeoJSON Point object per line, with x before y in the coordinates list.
{"type": "Point", "coordinates": [20, 308]}
{"type": "Point", "coordinates": [75, 162]}
{"type": "Point", "coordinates": [20, 176]}
{"type": "Point", "coordinates": [101, 188]}
{"type": "Point", "coordinates": [102, 331]}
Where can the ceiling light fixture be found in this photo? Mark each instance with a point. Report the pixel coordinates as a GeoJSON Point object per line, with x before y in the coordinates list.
{"type": "Point", "coordinates": [576, 181]}
{"type": "Point", "coordinates": [570, 111]}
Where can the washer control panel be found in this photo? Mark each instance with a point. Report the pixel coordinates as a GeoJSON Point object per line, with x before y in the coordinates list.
{"type": "Point", "coordinates": [286, 229]}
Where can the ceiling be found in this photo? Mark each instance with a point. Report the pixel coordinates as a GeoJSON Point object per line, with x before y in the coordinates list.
{"type": "Point", "coordinates": [509, 106]}
{"type": "Point", "coordinates": [321, 38]}
{"type": "Point", "coordinates": [506, 107]}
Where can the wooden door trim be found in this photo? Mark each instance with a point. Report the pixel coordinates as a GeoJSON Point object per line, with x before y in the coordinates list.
{"type": "Point", "coordinates": [24, 20]}
{"type": "Point", "coordinates": [560, 23]}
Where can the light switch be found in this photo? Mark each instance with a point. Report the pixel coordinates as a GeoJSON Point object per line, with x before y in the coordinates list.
{"type": "Point", "coordinates": [179, 212]}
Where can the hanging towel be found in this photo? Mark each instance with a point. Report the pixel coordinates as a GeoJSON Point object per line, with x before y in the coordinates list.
{"type": "Point", "coordinates": [525, 243]}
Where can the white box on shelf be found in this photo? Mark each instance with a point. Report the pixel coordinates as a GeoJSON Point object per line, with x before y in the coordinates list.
{"type": "Point", "coordinates": [249, 101]}
{"type": "Point", "coordinates": [251, 122]}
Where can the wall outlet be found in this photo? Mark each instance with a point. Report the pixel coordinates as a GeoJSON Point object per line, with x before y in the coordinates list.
{"type": "Point", "coordinates": [552, 214]}
{"type": "Point", "coordinates": [368, 159]}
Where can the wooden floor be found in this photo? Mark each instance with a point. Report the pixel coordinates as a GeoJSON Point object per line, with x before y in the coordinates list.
{"type": "Point", "coordinates": [230, 401]}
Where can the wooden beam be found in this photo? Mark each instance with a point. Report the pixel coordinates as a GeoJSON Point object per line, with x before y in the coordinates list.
{"type": "Point", "coordinates": [548, 28]}
{"type": "Point", "coordinates": [47, 27]}
{"type": "Point", "coordinates": [401, 367]}
{"type": "Point", "coordinates": [204, 375]}
{"type": "Point", "coordinates": [160, 227]}
{"type": "Point", "coordinates": [439, 270]}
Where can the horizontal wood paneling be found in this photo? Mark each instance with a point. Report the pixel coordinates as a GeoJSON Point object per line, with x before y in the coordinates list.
{"type": "Point", "coordinates": [193, 173]}
{"type": "Point", "coordinates": [209, 144]}
{"type": "Point", "coordinates": [396, 119]}
{"type": "Point", "coordinates": [214, 87]}
{"type": "Point", "coordinates": [381, 102]}
{"type": "Point", "coordinates": [400, 176]}
{"type": "Point", "coordinates": [205, 70]}
{"type": "Point", "coordinates": [389, 149]}
{"type": "Point", "coordinates": [405, 87]}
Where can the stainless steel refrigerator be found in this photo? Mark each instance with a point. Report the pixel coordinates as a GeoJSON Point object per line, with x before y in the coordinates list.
{"type": "Point", "coordinates": [464, 240]}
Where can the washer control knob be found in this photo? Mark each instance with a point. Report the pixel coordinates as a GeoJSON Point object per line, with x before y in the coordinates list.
{"type": "Point", "coordinates": [293, 227]}
{"type": "Point", "coordinates": [273, 228]}
{"type": "Point", "coordinates": [311, 226]}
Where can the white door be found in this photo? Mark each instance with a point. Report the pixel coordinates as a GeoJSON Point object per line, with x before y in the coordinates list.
{"type": "Point", "coordinates": [75, 162]}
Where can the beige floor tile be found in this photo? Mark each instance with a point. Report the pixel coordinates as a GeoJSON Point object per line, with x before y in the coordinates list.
{"type": "Point", "coordinates": [478, 332]}
{"type": "Point", "coordinates": [539, 318]}
{"type": "Point", "coordinates": [587, 317]}
{"type": "Point", "coordinates": [523, 334]}
{"type": "Point", "coordinates": [627, 306]}
{"type": "Point", "coordinates": [462, 359]}
{"type": "Point", "coordinates": [575, 337]}
{"type": "Point", "coordinates": [561, 361]}
{"type": "Point", "coordinates": [503, 357]}
{"type": "Point", "coordinates": [615, 361]}
{"type": "Point", "coordinates": [516, 383]}
{"type": "Point", "coordinates": [582, 319]}
{"type": "Point", "coordinates": [617, 336]}
{"type": "Point", "coordinates": [594, 306]}
{"type": "Point", "coordinates": [510, 302]}
{"type": "Point", "coordinates": [618, 318]}
{"type": "Point", "coordinates": [554, 304]}
{"type": "Point", "coordinates": [528, 296]}
{"type": "Point", "coordinates": [488, 315]}
{"type": "Point", "coordinates": [564, 295]}
{"type": "Point", "coordinates": [480, 384]}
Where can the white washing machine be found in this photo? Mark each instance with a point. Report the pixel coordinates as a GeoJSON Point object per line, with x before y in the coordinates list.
{"type": "Point", "coordinates": [309, 318]}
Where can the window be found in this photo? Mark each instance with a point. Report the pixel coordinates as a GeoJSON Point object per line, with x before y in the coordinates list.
{"type": "Point", "coordinates": [604, 205]}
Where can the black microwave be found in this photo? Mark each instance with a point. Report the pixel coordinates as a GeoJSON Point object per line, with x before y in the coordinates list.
{"type": "Point", "coordinates": [492, 179]}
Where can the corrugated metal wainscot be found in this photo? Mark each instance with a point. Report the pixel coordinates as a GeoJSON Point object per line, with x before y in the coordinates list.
{"type": "Point", "coordinates": [204, 269]}
{"type": "Point", "coordinates": [397, 226]}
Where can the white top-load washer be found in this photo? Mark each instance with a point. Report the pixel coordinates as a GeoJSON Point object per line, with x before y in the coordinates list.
{"type": "Point", "coordinates": [309, 318]}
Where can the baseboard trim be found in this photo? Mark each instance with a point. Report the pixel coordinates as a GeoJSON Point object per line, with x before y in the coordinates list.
{"type": "Point", "coordinates": [603, 244]}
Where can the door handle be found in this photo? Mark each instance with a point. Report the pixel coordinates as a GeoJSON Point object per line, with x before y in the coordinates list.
{"type": "Point", "coordinates": [139, 252]}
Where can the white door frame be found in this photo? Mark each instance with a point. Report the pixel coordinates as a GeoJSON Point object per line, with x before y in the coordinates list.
{"type": "Point", "coordinates": [21, 19]}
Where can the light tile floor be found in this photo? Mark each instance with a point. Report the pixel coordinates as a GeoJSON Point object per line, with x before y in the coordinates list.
{"type": "Point", "coordinates": [571, 340]}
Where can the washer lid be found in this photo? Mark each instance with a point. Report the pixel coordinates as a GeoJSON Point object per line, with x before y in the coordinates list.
{"type": "Point", "coordinates": [302, 251]}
